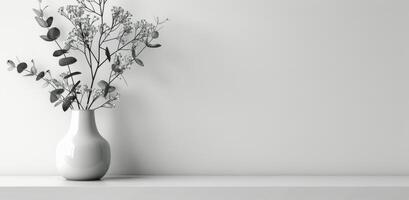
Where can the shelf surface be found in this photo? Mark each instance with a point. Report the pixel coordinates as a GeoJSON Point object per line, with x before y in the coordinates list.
{"type": "Point", "coordinates": [207, 187]}
{"type": "Point", "coordinates": [210, 181]}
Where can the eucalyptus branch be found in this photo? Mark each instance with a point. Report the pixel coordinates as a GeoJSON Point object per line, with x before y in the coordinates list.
{"type": "Point", "coordinates": [69, 70]}
{"type": "Point", "coordinates": [90, 35]}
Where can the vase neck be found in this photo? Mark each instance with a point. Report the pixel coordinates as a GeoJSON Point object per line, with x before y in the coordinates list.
{"type": "Point", "coordinates": [83, 122]}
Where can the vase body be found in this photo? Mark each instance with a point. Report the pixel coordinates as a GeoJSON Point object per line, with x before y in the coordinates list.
{"type": "Point", "coordinates": [83, 154]}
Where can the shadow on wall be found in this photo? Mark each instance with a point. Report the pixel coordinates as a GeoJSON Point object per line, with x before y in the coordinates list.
{"type": "Point", "coordinates": [127, 132]}
{"type": "Point", "coordinates": [135, 138]}
{"type": "Point", "coordinates": [141, 142]}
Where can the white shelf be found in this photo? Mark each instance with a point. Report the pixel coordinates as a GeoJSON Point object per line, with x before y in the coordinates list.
{"type": "Point", "coordinates": [210, 181]}
{"type": "Point", "coordinates": [207, 187]}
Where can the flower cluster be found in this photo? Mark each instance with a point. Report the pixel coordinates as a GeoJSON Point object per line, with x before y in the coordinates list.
{"type": "Point", "coordinates": [120, 16]}
{"type": "Point", "coordinates": [122, 63]}
{"type": "Point", "coordinates": [71, 11]}
{"type": "Point", "coordinates": [84, 29]}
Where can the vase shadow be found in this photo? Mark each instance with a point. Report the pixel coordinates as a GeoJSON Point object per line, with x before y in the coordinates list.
{"type": "Point", "coordinates": [130, 137]}
{"type": "Point", "coordinates": [124, 158]}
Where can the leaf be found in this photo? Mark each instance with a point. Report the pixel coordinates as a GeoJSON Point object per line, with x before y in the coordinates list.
{"type": "Point", "coordinates": [46, 84]}
{"type": "Point", "coordinates": [155, 34]}
{"type": "Point", "coordinates": [106, 87]}
{"type": "Point", "coordinates": [108, 54]}
{"type": "Point", "coordinates": [58, 103]}
{"type": "Point", "coordinates": [108, 105]}
{"type": "Point", "coordinates": [56, 82]}
{"type": "Point", "coordinates": [53, 33]}
{"type": "Point", "coordinates": [11, 65]}
{"type": "Point", "coordinates": [153, 45]}
{"type": "Point", "coordinates": [74, 87]}
{"type": "Point", "coordinates": [41, 22]}
{"type": "Point", "coordinates": [53, 97]}
{"type": "Point", "coordinates": [106, 91]}
{"type": "Point", "coordinates": [67, 103]}
{"type": "Point", "coordinates": [102, 84]}
{"type": "Point", "coordinates": [60, 52]}
{"type": "Point", "coordinates": [33, 70]}
{"type": "Point", "coordinates": [44, 37]}
{"type": "Point", "coordinates": [49, 21]}
{"type": "Point", "coordinates": [133, 51]}
{"type": "Point", "coordinates": [40, 76]}
{"type": "Point", "coordinates": [67, 61]}
{"type": "Point", "coordinates": [72, 74]}
{"type": "Point", "coordinates": [39, 13]}
{"type": "Point", "coordinates": [48, 75]}
{"type": "Point", "coordinates": [30, 74]}
{"type": "Point", "coordinates": [67, 46]}
{"type": "Point", "coordinates": [21, 67]}
{"type": "Point", "coordinates": [139, 62]}
{"type": "Point", "coordinates": [116, 68]}
{"type": "Point", "coordinates": [58, 91]}
{"type": "Point", "coordinates": [111, 89]}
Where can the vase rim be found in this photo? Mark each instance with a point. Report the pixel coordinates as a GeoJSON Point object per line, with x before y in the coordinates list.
{"type": "Point", "coordinates": [77, 110]}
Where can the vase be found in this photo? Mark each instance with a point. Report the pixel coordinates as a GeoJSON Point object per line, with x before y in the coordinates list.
{"type": "Point", "coordinates": [83, 154]}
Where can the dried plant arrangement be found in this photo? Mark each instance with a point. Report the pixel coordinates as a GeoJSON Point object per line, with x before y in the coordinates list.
{"type": "Point", "coordinates": [102, 39]}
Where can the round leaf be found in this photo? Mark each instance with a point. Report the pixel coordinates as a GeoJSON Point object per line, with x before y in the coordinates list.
{"type": "Point", "coordinates": [53, 97]}
{"type": "Point", "coordinates": [40, 76]}
{"type": "Point", "coordinates": [49, 21]}
{"type": "Point", "coordinates": [59, 52]}
{"type": "Point", "coordinates": [116, 68]}
{"type": "Point", "coordinates": [58, 91]}
{"type": "Point", "coordinates": [155, 34]}
{"type": "Point", "coordinates": [21, 67]}
{"type": "Point", "coordinates": [102, 84]}
{"type": "Point", "coordinates": [67, 61]}
{"type": "Point", "coordinates": [53, 33]}
{"type": "Point", "coordinates": [11, 65]}
{"type": "Point", "coordinates": [44, 37]}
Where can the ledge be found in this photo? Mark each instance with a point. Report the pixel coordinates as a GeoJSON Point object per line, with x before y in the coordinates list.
{"type": "Point", "coordinates": [210, 181]}
{"type": "Point", "coordinates": [207, 187]}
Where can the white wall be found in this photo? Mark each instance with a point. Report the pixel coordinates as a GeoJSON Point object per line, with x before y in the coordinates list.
{"type": "Point", "coordinates": [239, 87]}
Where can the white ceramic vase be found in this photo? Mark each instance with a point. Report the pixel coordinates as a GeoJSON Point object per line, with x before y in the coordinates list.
{"type": "Point", "coordinates": [83, 154]}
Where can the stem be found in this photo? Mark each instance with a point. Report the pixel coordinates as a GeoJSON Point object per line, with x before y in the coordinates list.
{"type": "Point", "coordinates": [100, 106]}
{"type": "Point", "coordinates": [50, 83]}
{"type": "Point", "coordinates": [72, 78]}
{"type": "Point", "coordinates": [93, 76]}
